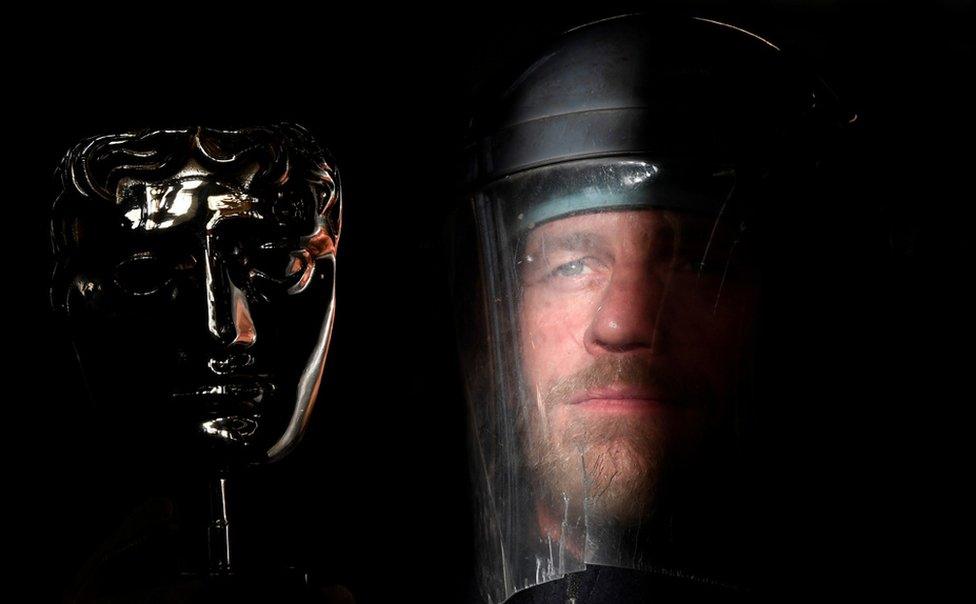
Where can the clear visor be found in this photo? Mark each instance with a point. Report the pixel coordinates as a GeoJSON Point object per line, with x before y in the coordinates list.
{"type": "Point", "coordinates": [607, 341]}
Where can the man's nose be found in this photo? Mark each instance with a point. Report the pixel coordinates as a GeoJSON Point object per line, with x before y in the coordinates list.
{"type": "Point", "coordinates": [228, 316]}
{"type": "Point", "coordinates": [629, 315]}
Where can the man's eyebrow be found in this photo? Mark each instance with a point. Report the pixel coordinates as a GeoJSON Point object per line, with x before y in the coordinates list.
{"type": "Point", "coordinates": [576, 241]}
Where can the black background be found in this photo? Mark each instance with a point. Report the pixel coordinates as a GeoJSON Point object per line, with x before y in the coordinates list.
{"type": "Point", "coordinates": [870, 468]}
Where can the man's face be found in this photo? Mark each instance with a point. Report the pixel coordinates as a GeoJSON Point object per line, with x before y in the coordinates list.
{"type": "Point", "coordinates": [632, 326]}
{"type": "Point", "coordinates": [199, 319]}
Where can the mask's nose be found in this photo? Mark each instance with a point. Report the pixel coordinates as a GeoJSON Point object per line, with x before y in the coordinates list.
{"type": "Point", "coordinates": [228, 316]}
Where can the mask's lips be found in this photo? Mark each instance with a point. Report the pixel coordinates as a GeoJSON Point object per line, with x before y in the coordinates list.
{"type": "Point", "coordinates": [224, 397]}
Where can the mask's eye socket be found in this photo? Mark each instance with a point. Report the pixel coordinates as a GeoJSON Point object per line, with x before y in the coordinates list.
{"type": "Point", "coordinates": [142, 274]}
{"type": "Point", "coordinates": [278, 266]}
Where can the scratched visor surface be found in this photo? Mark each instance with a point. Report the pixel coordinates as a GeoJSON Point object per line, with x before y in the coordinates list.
{"type": "Point", "coordinates": [606, 310]}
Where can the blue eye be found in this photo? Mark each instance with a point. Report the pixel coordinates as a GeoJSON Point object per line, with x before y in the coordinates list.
{"type": "Point", "coordinates": [570, 269]}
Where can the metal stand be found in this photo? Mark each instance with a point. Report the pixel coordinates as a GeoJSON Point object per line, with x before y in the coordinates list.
{"type": "Point", "coordinates": [219, 528]}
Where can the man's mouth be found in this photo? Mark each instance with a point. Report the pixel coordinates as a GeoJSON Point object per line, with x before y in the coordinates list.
{"type": "Point", "coordinates": [621, 399]}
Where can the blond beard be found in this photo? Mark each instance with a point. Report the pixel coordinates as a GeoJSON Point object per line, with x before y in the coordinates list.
{"type": "Point", "coordinates": [612, 467]}
{"type": "Point", "coordinates": [608, 467]}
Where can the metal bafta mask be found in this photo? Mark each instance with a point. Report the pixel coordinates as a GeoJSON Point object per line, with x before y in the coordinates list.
{"type": "Point", "coordinates": [196, 270]}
